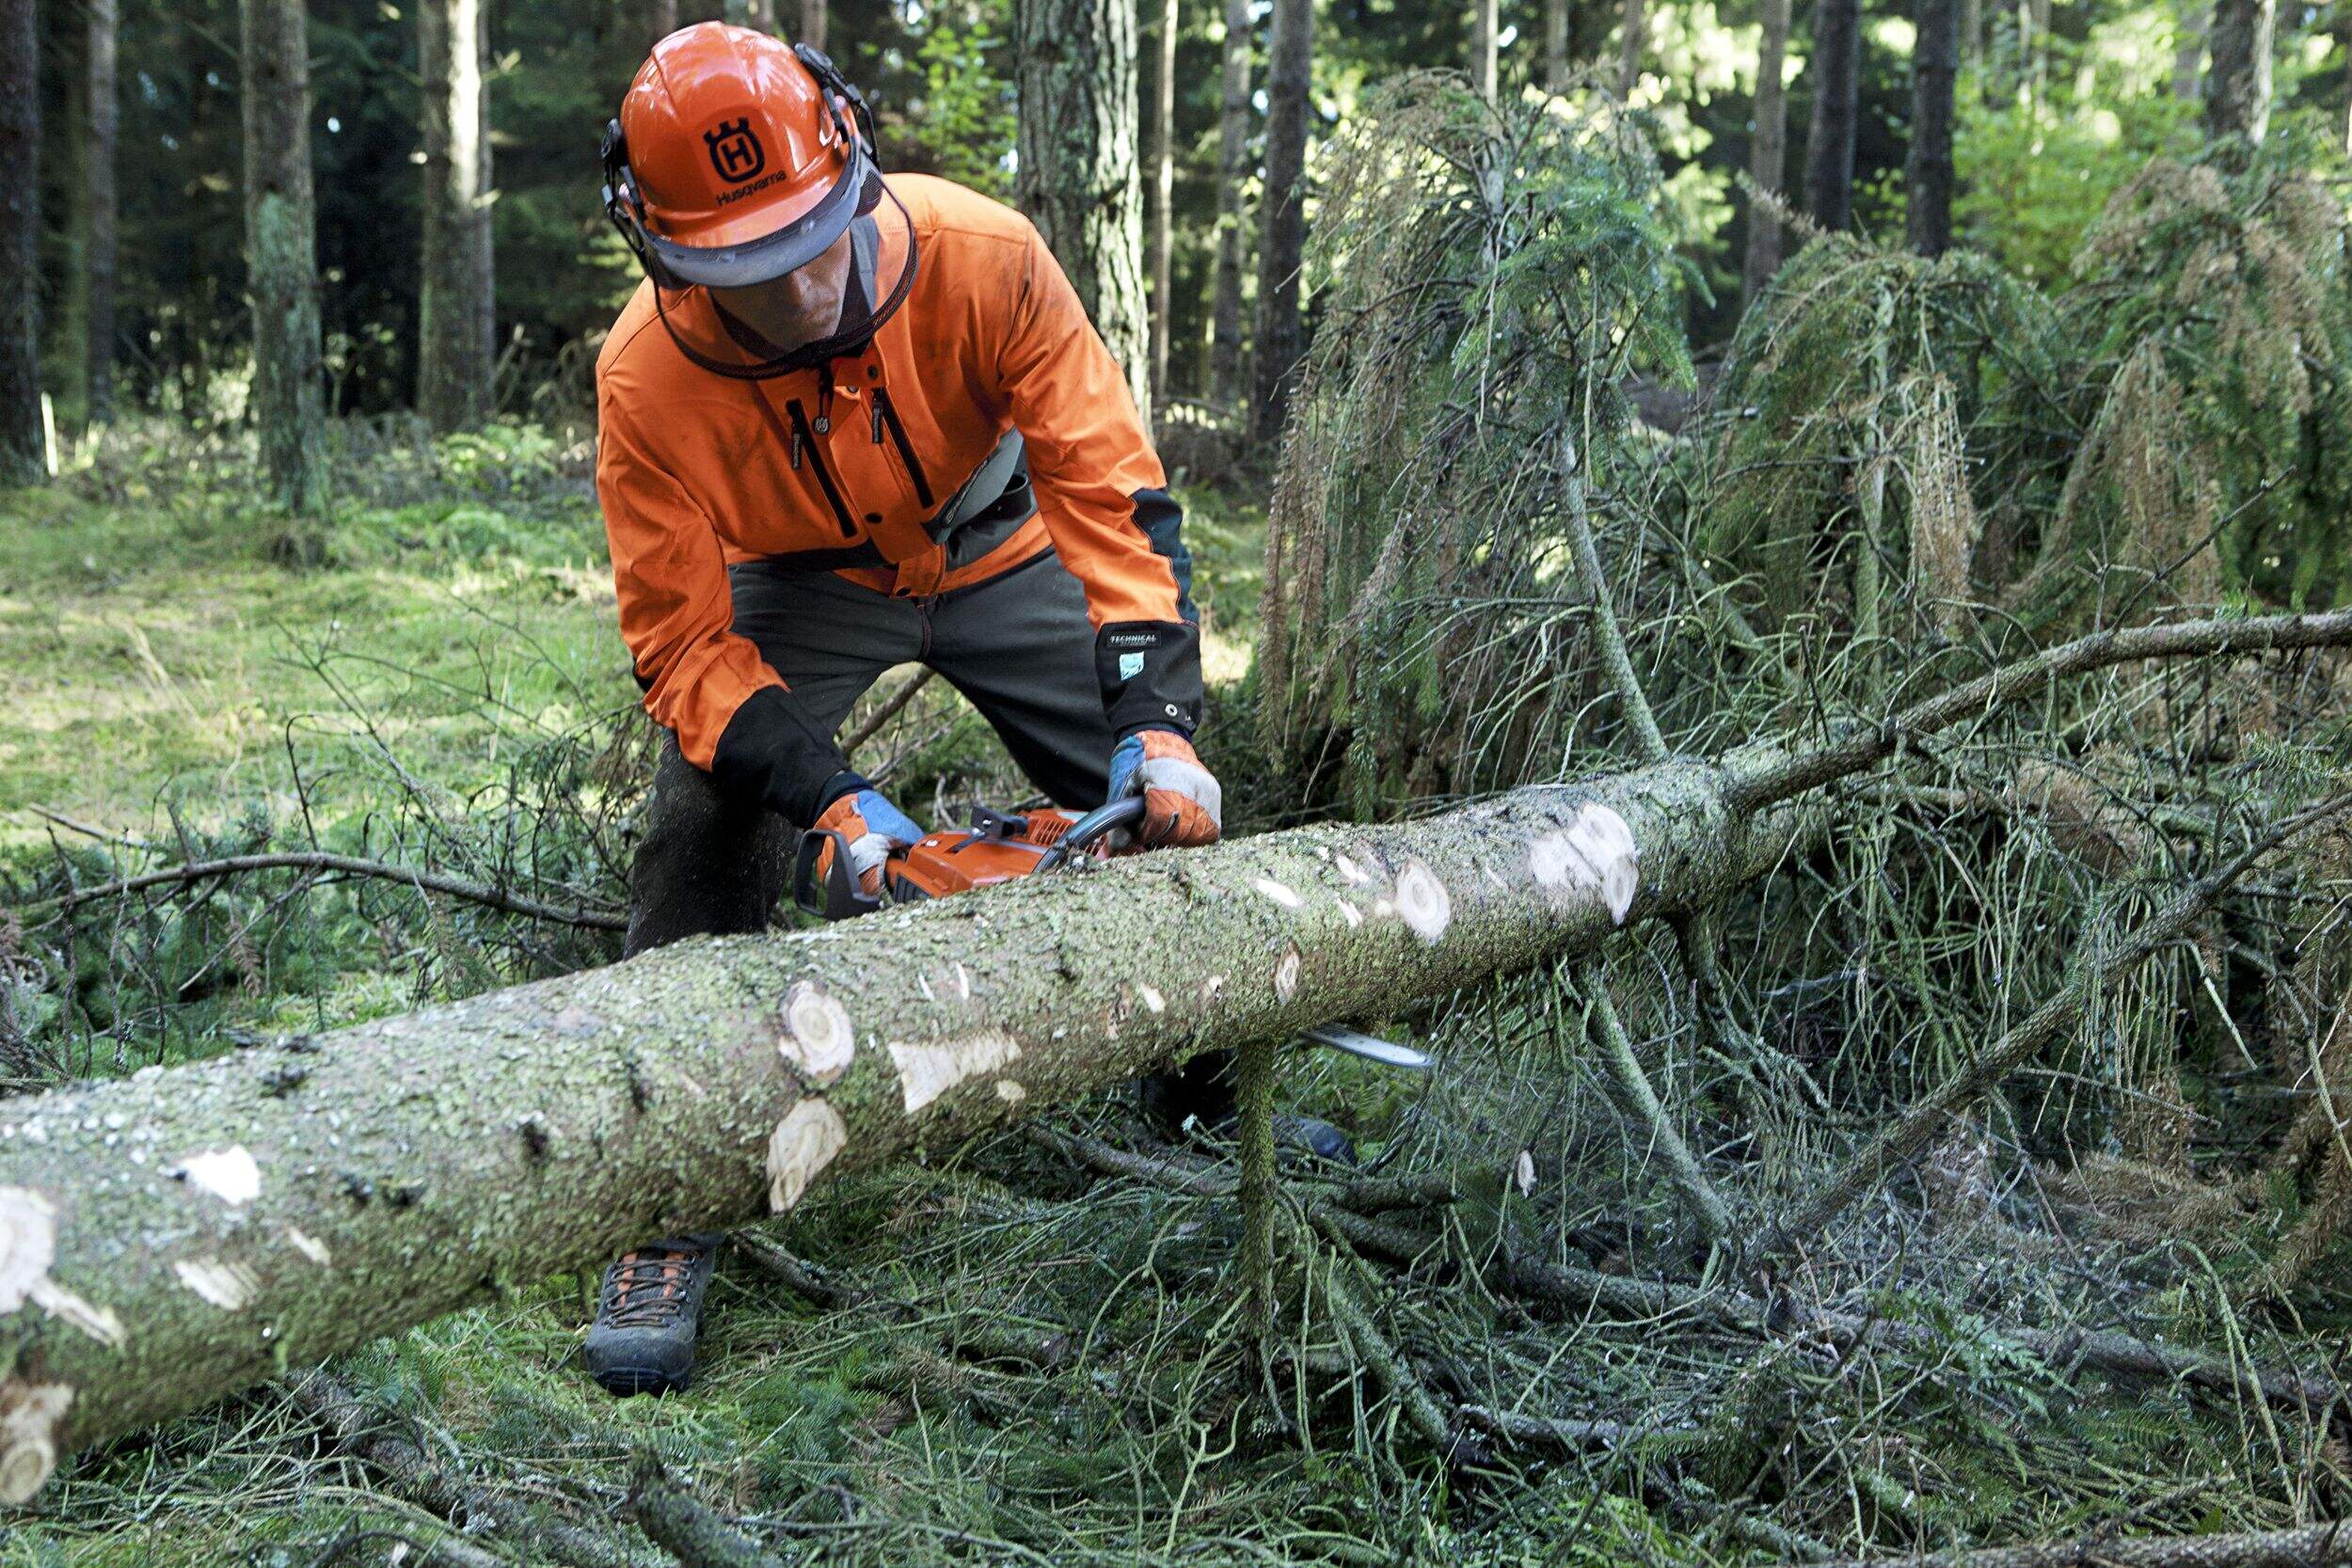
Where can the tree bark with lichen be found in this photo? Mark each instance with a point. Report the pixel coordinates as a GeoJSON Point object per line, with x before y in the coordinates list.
{"type": "Point", "coordinates": [281, 256]}
{"type": "Point", "coordinates": [1079, 175]}
{"type": "Point", "coordinates": [172, 1238]}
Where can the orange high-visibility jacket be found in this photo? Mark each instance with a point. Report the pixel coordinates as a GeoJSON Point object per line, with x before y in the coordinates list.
{"type": "Point", "coordinates": [852, 466]}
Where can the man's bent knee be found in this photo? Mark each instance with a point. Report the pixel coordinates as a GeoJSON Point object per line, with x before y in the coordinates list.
{"type": "Point", "coordinates": [706, 864]}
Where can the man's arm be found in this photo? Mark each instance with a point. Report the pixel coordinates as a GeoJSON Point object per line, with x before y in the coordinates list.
{"type": "Point", "coordinates": [1103, 497]}
{"type": "Point", "coordinates": [732, 713]}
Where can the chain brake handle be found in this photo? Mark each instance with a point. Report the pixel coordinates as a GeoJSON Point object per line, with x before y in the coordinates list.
{"type": "Point", "coordinates": [841, 897]}
{"type": "Point", "coordinates": [1094, 826]}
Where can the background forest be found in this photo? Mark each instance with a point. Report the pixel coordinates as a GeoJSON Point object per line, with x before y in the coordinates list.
{"type": "Point", "coordinates": [1901, 456]}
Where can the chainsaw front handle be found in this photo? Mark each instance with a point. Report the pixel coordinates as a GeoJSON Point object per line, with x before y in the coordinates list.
{"type": "Point", "coordinates": [841, 898]}
{"type": "Point", "coordinates": [1093, 828]}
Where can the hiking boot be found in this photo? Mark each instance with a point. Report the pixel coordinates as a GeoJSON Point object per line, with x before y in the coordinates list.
{"type": "Point", "coordinates": [642, 1341]}
{"type": "Point", "coordinates": [1202, 1090]}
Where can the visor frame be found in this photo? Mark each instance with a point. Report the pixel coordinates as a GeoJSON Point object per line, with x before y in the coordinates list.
{"type": "Point", "coordinates": [772, 255]}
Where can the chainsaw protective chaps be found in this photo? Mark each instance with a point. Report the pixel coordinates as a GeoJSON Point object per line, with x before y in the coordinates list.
{"type": "Point", "coordinates": [881, 456]}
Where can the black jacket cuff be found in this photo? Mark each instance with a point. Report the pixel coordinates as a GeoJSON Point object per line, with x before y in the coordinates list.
{"type": "Point", "coordinates": [773, 755]}
{"type": "Point", "coordinates": [1151, 676]}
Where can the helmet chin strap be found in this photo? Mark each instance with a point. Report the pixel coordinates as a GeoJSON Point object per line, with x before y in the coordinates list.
{"type": "Point", "coordinates": [839, 345]}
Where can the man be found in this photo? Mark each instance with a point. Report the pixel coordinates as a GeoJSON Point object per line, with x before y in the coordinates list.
{"type": "Point", "coordinates": [850, 421]}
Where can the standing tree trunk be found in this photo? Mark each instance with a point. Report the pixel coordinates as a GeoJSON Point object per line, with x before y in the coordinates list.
{"type": "Point", "coordinates": [1768, 155]}
{"type": "Point", "coordinates": [813, 23]}
{"type": "Point", "coordinates": [1226, 379]}
{"type": "Point", "coordinates": [750, 13]}
{"type": "Point", "coordinates": [2188, 49]}
{"type": "Point", "coordinates": [1927, 169]}
{"type": "Point", "coordinates": [1290, 57]}
{"type": "Point", "coordinates": [1078, 177]}
{"type": "Point", "coordinates": [1556, 45]}
{"type": "Point", "coordinates": [1163, 194]}
{"type": "Point", "coordinates": [664, 19]}
{"type": "Point", "coordinates": [2237, 88]}
{"type": "Point", "coordinates": [281, 254]}
{"type": "Point", "coordinates": [100, 245]}
{"type": "Point", "coordinates": [457, 332]}
{"type": "Point", "coordinates": [24, 452]}
{"type": "Point", "coordinates": [1485, 22]}
{"type": "Point", "coordinates": [1629, 42]}
{"type": "Point", "coordinates": [1829, 145]}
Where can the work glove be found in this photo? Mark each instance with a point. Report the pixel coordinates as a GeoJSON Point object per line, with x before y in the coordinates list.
{"type": "Point", "coordinates": [1181, 803]}
{"type": "Point", "coordinates": [871, 827]}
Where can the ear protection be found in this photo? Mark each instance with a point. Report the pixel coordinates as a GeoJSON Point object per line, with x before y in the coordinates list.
{"type": "Point", "coordinates": [624, 204]}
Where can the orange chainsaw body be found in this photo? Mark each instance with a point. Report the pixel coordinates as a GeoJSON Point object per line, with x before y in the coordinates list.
{"type": "Point", "coordinates": [997, 848]}
{"type": "Point", "coordinates": [945, 863]}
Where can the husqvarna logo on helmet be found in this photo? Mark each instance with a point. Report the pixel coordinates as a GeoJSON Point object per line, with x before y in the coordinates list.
{"type": "Point", "coordinates": [735, 150]}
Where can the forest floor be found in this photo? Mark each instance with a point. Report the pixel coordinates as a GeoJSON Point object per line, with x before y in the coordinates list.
{"type": "Point", "coordinates": [1046, 1365]}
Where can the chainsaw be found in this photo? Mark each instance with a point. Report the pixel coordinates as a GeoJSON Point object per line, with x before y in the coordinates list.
{"type": "Point", "coordinates": [998, 847]}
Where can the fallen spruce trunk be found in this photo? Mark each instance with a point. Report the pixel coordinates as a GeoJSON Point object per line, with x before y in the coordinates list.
{"type": "Point", "coordinates": [172, 1238]}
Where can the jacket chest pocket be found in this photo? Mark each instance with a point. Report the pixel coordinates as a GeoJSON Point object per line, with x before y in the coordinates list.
{"type": "Point", "coordinates": [864, 463]}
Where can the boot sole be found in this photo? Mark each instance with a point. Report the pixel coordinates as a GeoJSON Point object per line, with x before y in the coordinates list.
{"type": "Point", "coordinates": [628, 1381]}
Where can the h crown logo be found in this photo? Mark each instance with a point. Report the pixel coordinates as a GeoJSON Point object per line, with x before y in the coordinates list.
{"type": "Point", "coordinates": [735, 150]}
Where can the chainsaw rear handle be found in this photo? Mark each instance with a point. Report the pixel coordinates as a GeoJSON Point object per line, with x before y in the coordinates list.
{"type": "Point", "coordinates": [841, 897]}
{"type": "Point", "coordinates": [1093, 828]}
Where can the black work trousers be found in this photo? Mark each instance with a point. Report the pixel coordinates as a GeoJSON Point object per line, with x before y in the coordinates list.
{"type": "Point", "coordinates": [1018, 645]}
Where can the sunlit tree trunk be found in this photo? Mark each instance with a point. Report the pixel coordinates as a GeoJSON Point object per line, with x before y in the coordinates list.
{"type": "Point", "coordinates": [2237, 88]}
{"type": "Point", "coordinates": [813, 23]}
{"type": "Point", "coordinates": [281, 253]}
{"type": "Point", "coordinates": [1290, 56]}
{"type": "Point", "coordinates": [1556, 45]}
{"type": "Point", "coordinates": [1629, 46]}
{"type": "Point", "coordinates": [1484, 24]}
{"type": "Point", "coordinates": [1163, 193]}
{"type": "Point", "coordinates": [1828, 145]}
{"type": "Point", "coordinates": [100, 243]}
{"type": "Point", "coordinates": [751, 13]}
{"type": "Point", "coordinates": [1972, 32]}
{"type": "Point", "coordinates": [1079, 177]}
{"type": "Point", "coordinates": [455, 314]}
{"type": "Point", "coordinates": [1928, 170]}
{"type": "Point", "coordinates": [1767, 154]}
{"type": "Point", "coordinates": [1232, 212]}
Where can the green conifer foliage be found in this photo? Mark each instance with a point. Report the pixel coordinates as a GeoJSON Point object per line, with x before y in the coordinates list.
{"type": "Point", "coordinates": [2215, 306]}
{"type": "Point", "coordinates": [1488, 274]}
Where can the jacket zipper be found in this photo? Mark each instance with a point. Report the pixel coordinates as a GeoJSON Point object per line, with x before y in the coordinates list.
{"type": "Point", "coordinates": [889, 417]}
{"type": "Point", "coordinates": [803, 439]}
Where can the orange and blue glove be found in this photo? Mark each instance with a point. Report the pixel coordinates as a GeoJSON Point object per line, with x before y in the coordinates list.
{"type": "Point", "coordinates": [1181, 801]}
{"type": "Point", "coordinates": [871, 827]}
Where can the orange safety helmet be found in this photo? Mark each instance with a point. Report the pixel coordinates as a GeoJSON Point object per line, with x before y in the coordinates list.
{"type": "Point", "coordinates": [735, 158]}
